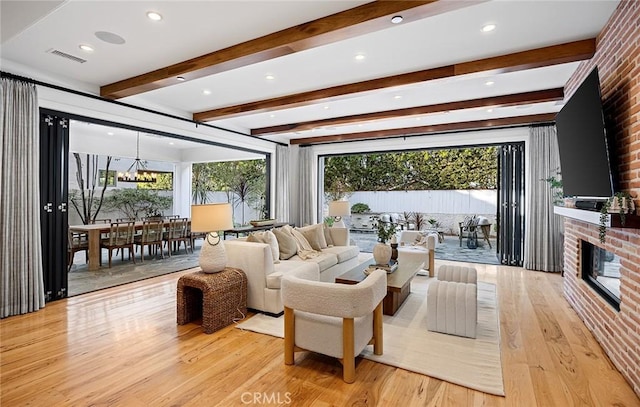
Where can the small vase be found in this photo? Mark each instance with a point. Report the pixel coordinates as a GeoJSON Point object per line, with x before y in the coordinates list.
{"type": "Point", "coordinates": [382, 253]}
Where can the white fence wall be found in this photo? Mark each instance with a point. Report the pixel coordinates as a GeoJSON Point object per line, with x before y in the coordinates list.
{"type": "Point", "coordinates": [447, 207]}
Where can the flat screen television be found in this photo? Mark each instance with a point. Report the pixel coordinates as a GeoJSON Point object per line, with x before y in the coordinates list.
{"type": "Point", "coordinates": [582, 143]}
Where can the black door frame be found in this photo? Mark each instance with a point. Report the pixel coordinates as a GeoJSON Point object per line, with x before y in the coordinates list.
{"type": "Point", "coordinates": [511, 190]}
{"type": "Point", "coordinates": [54, 188]}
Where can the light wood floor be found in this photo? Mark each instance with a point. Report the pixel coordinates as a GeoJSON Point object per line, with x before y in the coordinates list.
{"type": "Point", "coordinates": [122, 347]}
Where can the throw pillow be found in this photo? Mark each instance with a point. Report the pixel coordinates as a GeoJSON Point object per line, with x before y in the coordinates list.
{"type": "Point", "coordinates": [327, 235]}
{"type": "Point", "coordinates": [269, 238]}
{"type": "Point", "coordinates": [314, 235]}
{"type": "Point", "coordinates": [286, 243]}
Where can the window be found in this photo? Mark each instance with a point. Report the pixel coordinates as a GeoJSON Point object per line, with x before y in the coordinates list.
{"type": "Point", "coordinates": [112, 178]}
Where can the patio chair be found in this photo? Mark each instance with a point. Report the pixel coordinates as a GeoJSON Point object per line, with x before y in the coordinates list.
{"type": "Point", "coordinates": [469, 229]}
{"type": "Point", "coordinates": [151, 236]}
{"type": "Point", "coordinates": [121, 236]}
{"type": "Point", "coordinates": [176, 233]}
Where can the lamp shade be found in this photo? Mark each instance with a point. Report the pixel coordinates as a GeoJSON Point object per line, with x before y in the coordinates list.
{"type": "Point", "coordinates": [339, 208]}
{"type": "Point", "coordinates": [211, 217]}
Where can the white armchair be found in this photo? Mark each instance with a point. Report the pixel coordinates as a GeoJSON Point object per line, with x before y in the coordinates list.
{"type": "Point", "coordinates": [337, 320]}
{"type": "Point", "coordinates": [426, 253]}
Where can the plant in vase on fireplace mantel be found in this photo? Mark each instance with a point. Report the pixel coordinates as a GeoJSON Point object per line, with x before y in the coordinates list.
{"type": "Point", "coordinates": [621, 203]}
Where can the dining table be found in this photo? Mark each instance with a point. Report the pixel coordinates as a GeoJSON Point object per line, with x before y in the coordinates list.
{"type": "Point", "coordinates": [94, 232]}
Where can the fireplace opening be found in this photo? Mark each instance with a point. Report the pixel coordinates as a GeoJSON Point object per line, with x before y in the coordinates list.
{"type": "Point", "coordinates": [601, 270]}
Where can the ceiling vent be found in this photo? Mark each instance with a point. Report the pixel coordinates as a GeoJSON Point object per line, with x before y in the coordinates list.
{"type": "Point", "coordinates": [67, 56]}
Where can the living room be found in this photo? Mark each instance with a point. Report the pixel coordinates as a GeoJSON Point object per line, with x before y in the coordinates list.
{"type": "Point", "coordinates": [122, 346]}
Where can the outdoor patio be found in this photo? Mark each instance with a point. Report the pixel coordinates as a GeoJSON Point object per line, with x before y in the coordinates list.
{"type": "Point", "coordinates": [450, 249]}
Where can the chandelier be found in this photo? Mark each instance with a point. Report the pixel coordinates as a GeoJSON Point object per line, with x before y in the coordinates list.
{"type": "Point", "coordinates": [138, 171]}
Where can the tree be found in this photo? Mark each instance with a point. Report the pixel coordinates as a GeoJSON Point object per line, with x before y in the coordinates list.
{"type": "Point", "coordinates": [84, 200]}
{"type": "Point", "coordinates": [242, 181]}
{"type": "Point", "coordinates": [463, 168]}
{"type": "Point", "coordinates": [164, 182]}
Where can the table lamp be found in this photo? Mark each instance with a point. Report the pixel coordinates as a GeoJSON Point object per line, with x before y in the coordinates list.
{"type": "Point", "coordinates": [210, 219]}
{"type": "Point", "coordinates": [338, 209]}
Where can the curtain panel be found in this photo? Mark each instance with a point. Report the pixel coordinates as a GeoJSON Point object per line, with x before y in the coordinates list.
{"type": "Point", "coordinates": [305, 186]}
{"type": "Point", "coordinates": [544, 230]}
{"type": "Point", "coordinates": [21, 275]}
{"type": "Point", "coordinates": [282, 184]}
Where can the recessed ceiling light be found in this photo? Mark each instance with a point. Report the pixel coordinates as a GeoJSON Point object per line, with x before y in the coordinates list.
{"type": "Point", "coordinates": [489, 83]}
{"type": "Point", "coordinates": [489, 110]}
{"type": "Point", "coordinates": [154, 16]}
{"type": "Point", "coordinates": [269, 77]}
{"type": "Point", "coordinates": [171, 143]}
{"type": "Point", "coordinates": [180, 78]}
{"type": "Point", "coordinates": [488, 27]}
{"type": "Point", "coordinates": [86, 48]}
{"type": "Point", "coordinates": [397, 97]}
{"type": "Point", "coordinates": [272, 115]}
{"type": "Point", "coordinates": [326, 107]}
{"type": "Point", "coordinates": [110, 133]}
{"type": "Point", "coordinates": [396, 19]}
{"type": "Point", "coordinates": [360, 57]}
{"type": "Point", "coordinates": [206, 92]}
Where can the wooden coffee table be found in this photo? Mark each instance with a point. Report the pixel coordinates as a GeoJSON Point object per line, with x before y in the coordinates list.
{"type": "Point", "coordinates": [398, 284]}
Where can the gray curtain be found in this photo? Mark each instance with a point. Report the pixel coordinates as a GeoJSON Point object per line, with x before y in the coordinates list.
{"type": "Point", "coordinates": [305, 189]}
{"type": "Point", "coordinates": [543, 247]}
{"type": "Point", "coordinates": [21, 279]}
{"type": "Point", "coordinates": [282, 184]}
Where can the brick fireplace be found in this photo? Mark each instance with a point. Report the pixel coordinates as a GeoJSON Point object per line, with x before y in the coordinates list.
{"type": "Point", "coordinates": [618, 60]}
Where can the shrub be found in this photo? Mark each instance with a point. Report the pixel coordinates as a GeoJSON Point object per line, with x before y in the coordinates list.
{"type": "Point", "coordinates": [360, 208]}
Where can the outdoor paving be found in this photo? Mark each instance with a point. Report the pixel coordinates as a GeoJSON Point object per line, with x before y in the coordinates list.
{"type": "Point", "coordinates": [448, 250]}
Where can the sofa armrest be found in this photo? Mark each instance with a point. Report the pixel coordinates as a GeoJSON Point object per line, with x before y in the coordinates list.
{"type": "Point", "coordinates": [340, 236]}
{"type": "Point", "coordinates": [254, 259]}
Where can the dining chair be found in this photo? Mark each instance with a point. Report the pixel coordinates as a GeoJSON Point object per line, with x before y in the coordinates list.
{"type": "Point", "coordinates": [76, 242]}
{"type": "Point", "coordinates": [176, 233]}
{"type": "Point", "coordinates": [151, 236]}
{"type": "Point", "coordinates": [121, 236]}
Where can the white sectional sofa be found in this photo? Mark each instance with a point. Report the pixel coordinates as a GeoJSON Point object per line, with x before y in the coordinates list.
{"type": "Point", "coordinates": [264, 276]}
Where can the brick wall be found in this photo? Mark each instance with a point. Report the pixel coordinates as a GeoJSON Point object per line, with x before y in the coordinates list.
{"type": "Point", "coordinates": [618, 60]}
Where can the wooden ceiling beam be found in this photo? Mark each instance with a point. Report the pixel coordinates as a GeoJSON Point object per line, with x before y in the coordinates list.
{"type": "Point", "coordinates": [350, 23]}
{"type": "Point", "coordinates": [425, 130]}
{"type": "Point", "coordinates": [539, 96]}
{"type": "Point", "coordinates": [535, 58]}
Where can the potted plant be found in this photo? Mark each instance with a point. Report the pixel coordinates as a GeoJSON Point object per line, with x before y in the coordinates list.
{"type": "Point", "coordinates": [360, 208]}
{"type": "Point", "coordinates": [382, 251]}
{"type": "Point", "coordinates": [621, 203]}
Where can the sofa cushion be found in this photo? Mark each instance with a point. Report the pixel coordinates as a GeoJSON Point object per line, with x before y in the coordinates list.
{"type": "Point", "coordinates": [286, 243]}
{"type": "Point", "coordinates": [343, 253]}
{"type": "Point", "coordinates": [269, 238]}
{"type": "Point", "coordinates": [323, 260]}
{"type": "Point", "coordinates": [314, 235]}
{"type": "Point", "coordinates": [304, 269]}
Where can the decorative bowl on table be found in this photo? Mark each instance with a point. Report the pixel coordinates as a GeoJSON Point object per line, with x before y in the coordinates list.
{"type": "Point", "coordinates": [262, 222]}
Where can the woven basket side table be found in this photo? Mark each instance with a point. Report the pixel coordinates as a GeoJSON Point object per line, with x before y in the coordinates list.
{"type": "Point", "coordinates": [218, 298]}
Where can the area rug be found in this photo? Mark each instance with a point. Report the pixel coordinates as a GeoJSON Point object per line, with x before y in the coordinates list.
{"type": "Point", "coordinates": [472, 363]}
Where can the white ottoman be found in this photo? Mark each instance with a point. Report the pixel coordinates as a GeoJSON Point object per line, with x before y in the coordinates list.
{"type": "Point", "coordinates": [452, 308]}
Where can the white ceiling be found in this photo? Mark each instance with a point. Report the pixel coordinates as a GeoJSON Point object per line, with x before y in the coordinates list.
{"type": "Point", "coordinates": [193, 28]}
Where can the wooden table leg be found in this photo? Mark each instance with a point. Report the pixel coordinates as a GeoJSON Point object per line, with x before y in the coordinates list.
{"type": "Point", "coordinates": [94, 249]}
